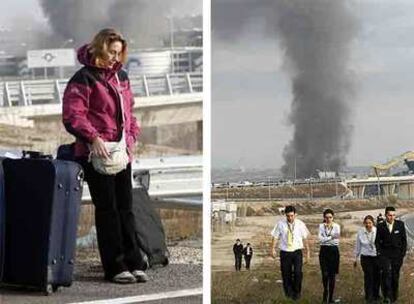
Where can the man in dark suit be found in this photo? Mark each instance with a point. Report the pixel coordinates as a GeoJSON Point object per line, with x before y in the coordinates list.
{"type": "Point", "coordinates": [248, 253]}
{"type": "Point", "coordinates": [238, 254]}
{"type": "Point", "coordinates": [391, 245]}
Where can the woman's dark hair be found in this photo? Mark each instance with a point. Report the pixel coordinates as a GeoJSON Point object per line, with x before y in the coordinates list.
{"type": "Point", "coordinates": [328, 211]}
{"type": "Point", "coordinates": [369, 217]}
{"type": "Point", "coordinates": [289, 209]}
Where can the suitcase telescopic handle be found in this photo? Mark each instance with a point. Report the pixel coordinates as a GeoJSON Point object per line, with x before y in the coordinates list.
{"type": "Point", "coordinates": [36, 155]}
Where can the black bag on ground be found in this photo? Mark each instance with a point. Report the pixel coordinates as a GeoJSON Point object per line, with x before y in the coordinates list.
{"type": "Point", "coordinates": [66, 152]}
{"type": "Point", "coordinates": [42, 203]}
{"type": "Point", "coordinates": [149, 230]}
{"type": "Point", "coordinates": [2, 217]}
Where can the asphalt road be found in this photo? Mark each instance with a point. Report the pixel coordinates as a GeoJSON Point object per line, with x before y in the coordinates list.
{"type": "Point", "coordinates": [89, 285]}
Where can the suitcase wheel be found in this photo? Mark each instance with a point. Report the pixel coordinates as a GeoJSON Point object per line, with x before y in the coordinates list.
{"type": "Point", "coordinates": [51, 288]}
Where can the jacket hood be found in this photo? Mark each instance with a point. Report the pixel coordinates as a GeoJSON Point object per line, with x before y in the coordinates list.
{"type": "Point", "coordinates": [85, 58]}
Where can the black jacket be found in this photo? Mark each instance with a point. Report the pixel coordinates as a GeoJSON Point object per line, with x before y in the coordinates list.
{"type": "Point", "coordinates": [245, 251]}
{"type": "Point", "coordinates": [238, 249]}
{"type": "Point", "coordinates": [392, 244]}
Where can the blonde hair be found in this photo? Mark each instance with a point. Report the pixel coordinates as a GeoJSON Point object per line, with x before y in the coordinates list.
{"type": "Point", "coordinates": [100, 45]}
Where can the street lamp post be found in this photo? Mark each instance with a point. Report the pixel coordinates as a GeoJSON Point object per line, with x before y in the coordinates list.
{"type": "Point", "coordinates": [65, 43]}
{"type": "Point", "coordinates": [171, 24]}
{"type": "Point", "coordinates": [294, 176]}
{"type": "Point", "coordinates": [268, 184]}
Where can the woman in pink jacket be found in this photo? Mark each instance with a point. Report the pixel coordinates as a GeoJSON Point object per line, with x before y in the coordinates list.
{"type": "Point", "coordinates": [93, 113]}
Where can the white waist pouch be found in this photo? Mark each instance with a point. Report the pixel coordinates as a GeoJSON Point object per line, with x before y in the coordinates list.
{"type": "Point", "coordinates": [117, 161]}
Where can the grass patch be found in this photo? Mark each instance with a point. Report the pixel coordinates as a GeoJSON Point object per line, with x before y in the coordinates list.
{"type": "Point", "coordinates": [263, 285]}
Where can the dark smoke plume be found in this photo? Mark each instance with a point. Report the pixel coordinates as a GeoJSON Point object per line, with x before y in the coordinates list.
{"type": "Point", "coordinates": [316, 36]}
{"type": "Point", "coordinates": [146, 21]}
{"type": "Point", "coordinates": [75, 19]}
{"type": "Point", "coordinates": [141, 21]}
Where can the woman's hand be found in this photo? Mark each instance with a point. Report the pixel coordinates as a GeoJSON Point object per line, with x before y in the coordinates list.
{"type": "Point", "coordinates": [98, 148]}
{"type": "Point", "coordinates": [273, 253]}
{"type": "Point", "coordinates": [307, 259]}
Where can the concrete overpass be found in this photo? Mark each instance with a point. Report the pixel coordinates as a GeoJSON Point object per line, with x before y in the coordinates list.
{"type": "Point", "coordinates": [399, 186]}
{"type": "Point", "coordinates": [159, 100]}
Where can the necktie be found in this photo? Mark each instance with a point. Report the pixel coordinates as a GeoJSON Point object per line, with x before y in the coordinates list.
{"type": "Point", "coordinates": [290, 238]}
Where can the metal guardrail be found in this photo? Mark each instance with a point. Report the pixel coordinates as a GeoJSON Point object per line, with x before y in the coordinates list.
{"type": "Point", "coordinates": [32, 92]}
{"type": "Point", "coordinates": [174, 181]}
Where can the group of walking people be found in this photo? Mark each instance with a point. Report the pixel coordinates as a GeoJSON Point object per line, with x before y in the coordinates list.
{"type": "Point", "coordinates": [380, 249]}
{"type": "Point", "coordinates": [239, 251]}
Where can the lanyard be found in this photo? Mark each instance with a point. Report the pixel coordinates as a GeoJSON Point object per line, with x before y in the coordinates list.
{"type": "Point", "coordinates": [291, 228]}
{"type": "Point", "coordinates": [329, 231]}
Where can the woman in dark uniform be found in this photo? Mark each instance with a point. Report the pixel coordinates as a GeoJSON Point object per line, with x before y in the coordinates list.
{"type": "Point", "coordinates": [329, 233]}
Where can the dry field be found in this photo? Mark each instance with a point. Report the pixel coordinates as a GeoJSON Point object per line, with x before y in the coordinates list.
{"type": "Point", "coordinates": [281, 191]}
{"type": "Point", "coordinates": [262, 284]}
{"type": "Point", "coordinates": [178, 224]}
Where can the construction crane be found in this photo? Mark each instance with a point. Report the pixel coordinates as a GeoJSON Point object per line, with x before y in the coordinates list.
{"type": "Point", "coordinates": [407, 158]}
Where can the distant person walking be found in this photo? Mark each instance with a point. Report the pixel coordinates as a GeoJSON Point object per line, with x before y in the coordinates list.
{"type": "Point", "coordinates": [380, 218]}
{"type": "Point", "coordinates": [366, 251]}
{"type": "Point", "coordinates": [292, 235]}
{"type": "Point", "coordinates": [238, 254]}
{"type": "Point", "coordinates": [329, 233]}
{"type": "Point", "coordinates": [248, 254]}
{"type": "Point", "coordinates": [391, 245]}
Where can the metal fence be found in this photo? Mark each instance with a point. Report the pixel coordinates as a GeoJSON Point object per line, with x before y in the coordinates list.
{"type": "Point", "coordinates": [33, 92]}
{"type": "Point", "coordinates": [174, 180]}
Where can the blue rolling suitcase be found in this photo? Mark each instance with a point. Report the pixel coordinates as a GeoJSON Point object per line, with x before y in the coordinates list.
{"type": "Point", "coordinates": [2, 218]}
{"type": "Point", "coordinates": [42, 204]}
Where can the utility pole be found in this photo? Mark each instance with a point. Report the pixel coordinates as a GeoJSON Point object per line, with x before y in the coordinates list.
{"type": "Point", "coordinates": [268, 184]}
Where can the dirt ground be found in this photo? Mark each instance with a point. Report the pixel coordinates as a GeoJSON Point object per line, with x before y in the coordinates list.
{"type": "Point", "coordinates": [256, 230]}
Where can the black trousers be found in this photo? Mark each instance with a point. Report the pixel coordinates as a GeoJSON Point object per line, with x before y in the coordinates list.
{"type": "Point", "coordinates": [329, 262]}
{"type": "Point", "coordinates": [247, 259]}
{"type": "Point", "coordinates": [291, 268]}
{"type": "Point", "coordinates": [370, 266]}
{"type": "Point", "coordinates": [114, 219]}
{"type": "Point", "coordinates": [390, 275]}
{"type": "Point", "coordinates": [238, 261]}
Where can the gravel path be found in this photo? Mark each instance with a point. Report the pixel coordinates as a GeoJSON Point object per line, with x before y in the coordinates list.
{"type": "Point", "coordinates": [184, 272]}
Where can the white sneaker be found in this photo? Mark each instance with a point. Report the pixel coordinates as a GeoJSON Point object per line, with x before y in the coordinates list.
{"type": "Point", "coordinates": [140, 276]}
{"type": "Point", "coordinates": [124, 277]}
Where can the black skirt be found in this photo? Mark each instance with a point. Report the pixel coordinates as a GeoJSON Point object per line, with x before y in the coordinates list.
{"type": "Point", "coordinates": [329, 259]}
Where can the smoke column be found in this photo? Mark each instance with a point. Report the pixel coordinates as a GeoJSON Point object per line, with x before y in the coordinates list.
{"type": "Point", "coordinates": [75, 19]}
{"type": "Point", "coordinates": [316, 36]}
{"type": "Point", "coordinates": [142, 21]}
{"type": "Point", "coordinates": [145, 21]}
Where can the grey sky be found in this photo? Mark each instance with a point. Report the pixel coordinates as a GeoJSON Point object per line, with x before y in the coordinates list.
{"type": "Point", "coordinates": [251, 89]}
{"type": "Point", "coordinates": [17, 10]}
{"type": "Point", "coordinates": [49, 23]}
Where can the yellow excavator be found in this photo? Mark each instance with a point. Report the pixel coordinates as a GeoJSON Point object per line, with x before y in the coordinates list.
{"type": "Point", "coordinates": [384, 169]}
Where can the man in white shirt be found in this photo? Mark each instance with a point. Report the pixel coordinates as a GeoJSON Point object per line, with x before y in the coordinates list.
{"type": "Point", "coordinates": [292, 236]}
